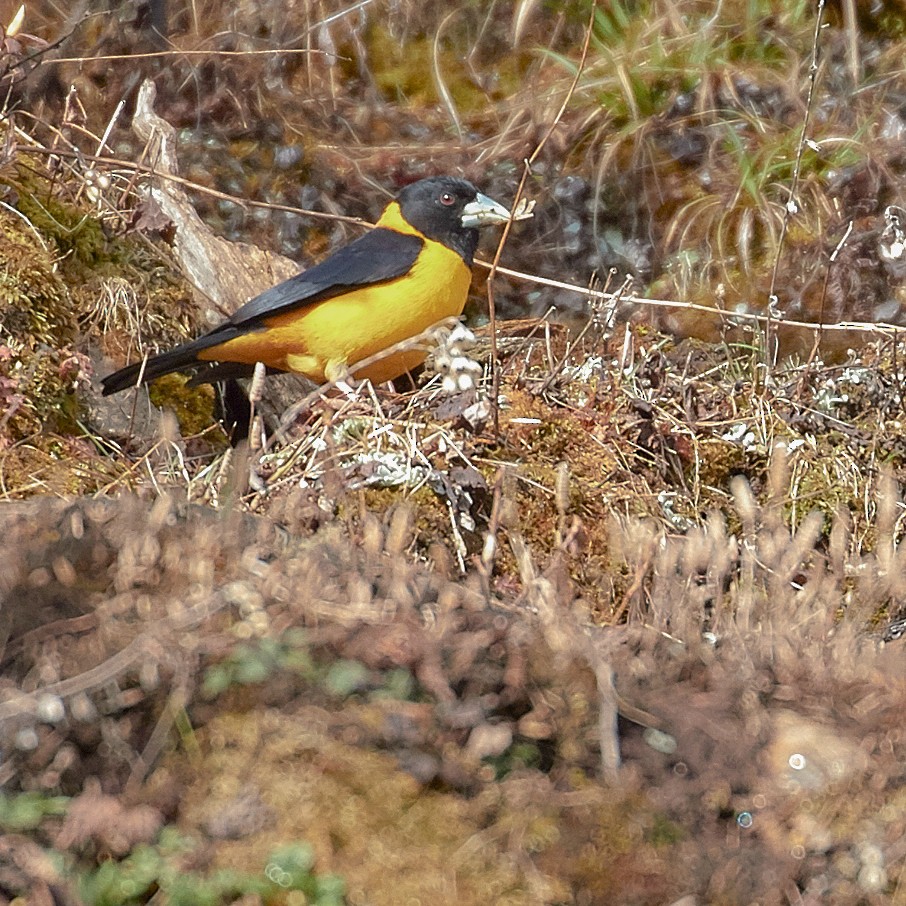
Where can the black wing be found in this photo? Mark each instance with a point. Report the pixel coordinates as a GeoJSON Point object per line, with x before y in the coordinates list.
{"type": "Point", "coordinates": [376, 257]}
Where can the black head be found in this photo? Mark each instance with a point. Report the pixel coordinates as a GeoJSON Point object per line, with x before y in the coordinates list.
{"type": "Point", "coordinates": [449, 210]}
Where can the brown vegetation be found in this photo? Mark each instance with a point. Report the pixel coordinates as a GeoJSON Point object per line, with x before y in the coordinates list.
{"type": "Point", "coordinates": [635, 637]}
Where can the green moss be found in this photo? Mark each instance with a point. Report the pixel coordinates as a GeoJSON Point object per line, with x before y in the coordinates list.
{"type": "Point", "coordinates": [96, 264]}
{"type": "Point", "coordinates": [718, 461]}
{"type": "Point", "coordinates": [35, 306]}
{"type": "Point", "coordinates": [663, 832]}
{"type": "Point", "coordinates": [404, 70]}
{"type": "Point", "coordinates": [74, 231]}
{"type": "Point", "coordinates": [193, 406]}
{"type": "Point", "coordinates": [64, 278]}
{"type": "Point", "coordinates": [38, 370]}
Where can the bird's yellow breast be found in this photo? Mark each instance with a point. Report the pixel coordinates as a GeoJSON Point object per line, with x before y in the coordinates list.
{"type": "Point", "coordinates": [321, 340]}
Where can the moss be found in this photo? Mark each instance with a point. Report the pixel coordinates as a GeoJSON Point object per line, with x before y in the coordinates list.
{"type": "Point", "coordinates": [38, 370]}
{"type": "Point", "coordinates": [718, 461]}
{"type": "Point", "coordinates": [367, 820]}
{"type": "Point", "coordinates": [193, 406]}
{"type": "Point", "coordinates": [90, 259]}
{"type": "Point", "coordinates": [74, 231]}
{"type": "Point", "coordinates": [65, 280]}
{"type": "Point", "coordinates": [58, 465]}
{"type": "Point", "coordinates": [35, 305]}
{"type": "Point", "coordinates": [405, 70]}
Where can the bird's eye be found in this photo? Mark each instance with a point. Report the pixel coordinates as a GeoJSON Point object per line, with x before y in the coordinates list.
{"type": "Point", "coordinates": [447, 199]}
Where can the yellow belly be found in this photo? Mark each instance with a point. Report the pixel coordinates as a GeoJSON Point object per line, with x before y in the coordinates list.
{"type": "Point", "coordinates": [322, 340]}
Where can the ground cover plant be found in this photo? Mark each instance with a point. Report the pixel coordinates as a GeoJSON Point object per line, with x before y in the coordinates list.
{"type": "Point", "coordinates": [606, 606]}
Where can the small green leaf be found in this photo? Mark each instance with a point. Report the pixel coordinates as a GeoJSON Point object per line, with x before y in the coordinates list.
{"type": "Point", "coordinates": [345, 677]}
{"type": "Point", "coordinates": [217, 680]}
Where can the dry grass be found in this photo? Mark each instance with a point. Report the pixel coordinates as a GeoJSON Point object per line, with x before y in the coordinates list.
{"type": "Point", "coordinates": [748, 707]}
{"type": "Point", "coordinates": [634, 642]}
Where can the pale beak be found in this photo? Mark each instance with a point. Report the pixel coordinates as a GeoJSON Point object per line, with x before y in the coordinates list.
{"type": "Point", "coordinates": [483, 211]}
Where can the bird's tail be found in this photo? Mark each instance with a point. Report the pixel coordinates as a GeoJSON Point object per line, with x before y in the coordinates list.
{"type": "Point", "coordinates": [144, 371]}
{"type": "Point", "coordinates": [182, 358]}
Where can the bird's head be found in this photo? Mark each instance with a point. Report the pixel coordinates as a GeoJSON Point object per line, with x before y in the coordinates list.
{"type": "Point", "coordinates": [450, 210]}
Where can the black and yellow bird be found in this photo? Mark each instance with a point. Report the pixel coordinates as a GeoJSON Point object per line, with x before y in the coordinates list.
{"type": "Point", "coordinates": [393, 283]}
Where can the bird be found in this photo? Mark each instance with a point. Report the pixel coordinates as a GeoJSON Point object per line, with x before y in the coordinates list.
{"type": "Point", "coordinates": [391, 284]}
